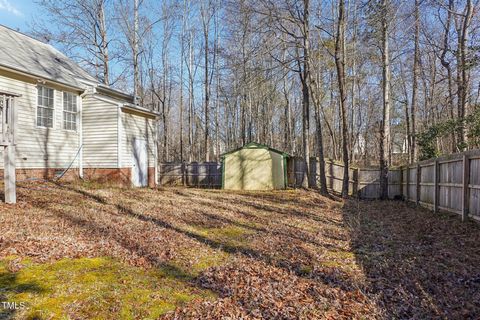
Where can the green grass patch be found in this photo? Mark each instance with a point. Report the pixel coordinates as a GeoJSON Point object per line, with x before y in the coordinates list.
{"type": "Point", "coordinates": [196, 261]}
{"type": "Point", "coordinates": [331, 264]}
{"type": "Point", "coordinates": [233, 233]}
{"type": "Point", "coordinates": [232, 236]}
{"type": "Point", "coordinates": [208, 261]}
{"type": "Point", "coordinates": [340, 254]}
{"type": "Point", "coordinates": [94, 288]}
{"type": "Point", "coordinates": [338, 259]}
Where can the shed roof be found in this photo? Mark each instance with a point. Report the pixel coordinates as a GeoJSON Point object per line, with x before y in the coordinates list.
{"type": "Point", "coordinates": [255, 145]}
{"type": "Point", "coordinates": [26, 54]}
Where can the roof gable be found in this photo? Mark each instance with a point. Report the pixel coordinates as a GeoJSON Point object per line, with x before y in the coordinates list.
{"type": "Point", "coordinates": [255, 145]}
{"type": "Point", "coordinates": [25, 54]}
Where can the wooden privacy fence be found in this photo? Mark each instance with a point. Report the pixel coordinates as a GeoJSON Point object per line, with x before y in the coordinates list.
{"type": "Point", "coordinates": [333, 172]}
{"type": "Point", "coordinates": [363, 182]}
{"type": "Point", "coordinates": [450, 183]}
{"type": "Point", "coordinates": [193, 174]}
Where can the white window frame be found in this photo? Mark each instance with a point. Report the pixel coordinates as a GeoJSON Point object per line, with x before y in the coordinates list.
{"type": "Point", "coordinates": [64, 112]}
{"type": "Point", "coordinates": [45, 107]}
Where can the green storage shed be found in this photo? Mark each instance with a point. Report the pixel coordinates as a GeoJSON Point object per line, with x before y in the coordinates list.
{"type": "Point", "coordinates": [254, 167]}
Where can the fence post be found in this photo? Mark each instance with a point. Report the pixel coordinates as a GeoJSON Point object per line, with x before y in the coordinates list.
{"type": "Point", "coordinates": [465, 188]}
{"type": "Point", "coordinates": [182, 169]}
{"type": "Point", "coordinates": [401, 182]}
{"type": "Point", "coordinates": [435, 186]}
{"type": "Point", "coordinates": [407, 190]}
{"type": "Point", "coordinates": [417, 199]}
{"type": "Point", "coordinates": [356, 181]}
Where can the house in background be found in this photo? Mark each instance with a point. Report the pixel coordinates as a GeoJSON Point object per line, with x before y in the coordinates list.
{"type": "Point", "coordinates": [66, 119]}
{"type": "Point", "coordinates": [254, 167]}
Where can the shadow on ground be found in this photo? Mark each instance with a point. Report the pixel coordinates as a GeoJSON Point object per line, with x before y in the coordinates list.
{"type": "Point", "coordinates": [10, 288]}
{"type": "Point", "coordinates": [270, 255]}
{"type": "Point", "coordinates": [419, 265]}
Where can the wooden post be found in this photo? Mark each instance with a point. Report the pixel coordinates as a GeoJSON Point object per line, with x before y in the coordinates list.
{"type": "Point", "coordinates": [400, 170]}
{"type": "Point", "coordinates": [356, 181]}
{"type": "Point", "coordinates": [417, 199]}
{"type": "Point", "coordinates": [9, 173]}
{"type": "Point", "coordinates": [4, 119]}
{"type": "Point", "coordinates": [9, 119]}
{"type": "Point", "coordinates": [435, 186]}
{"type": "Point", "coordinates": [465, 188]}
{"type": "Point", "coordinates": [407, 190]}
{"type": "Point", "coordinates": [183, 169]}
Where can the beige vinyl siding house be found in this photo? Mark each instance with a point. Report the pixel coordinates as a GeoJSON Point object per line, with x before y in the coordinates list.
{"type": "Point", "coordinates": [100, 147]}
{"type": "Point", "coordinates": [39, 147]}
{"type": "Point", "coordinates": [136, 126]}
{"type": "Point", "coordinates": [65, 119]}
{"type": "Point", "coordinates": [137, 131]}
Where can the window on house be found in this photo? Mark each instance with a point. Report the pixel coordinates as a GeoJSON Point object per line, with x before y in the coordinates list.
{"type": "Point", "coordinates": [45, 107]}
{"type": "Point", "coordinates": [69, 111]}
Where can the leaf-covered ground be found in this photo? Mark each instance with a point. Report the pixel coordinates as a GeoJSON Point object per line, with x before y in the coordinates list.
{"type": "Point", "coordinates": [181, 253]}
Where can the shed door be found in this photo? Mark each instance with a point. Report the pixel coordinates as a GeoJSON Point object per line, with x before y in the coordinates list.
{"type": "Point", "coordinates": [140, 163]}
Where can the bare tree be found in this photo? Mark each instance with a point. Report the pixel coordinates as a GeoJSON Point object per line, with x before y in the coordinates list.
{"type": "Point", "coordinates": [86, 39]}
{"type": "Point", "coordinates": [191, 77]}
{"type": "Point", "coordinates": [447, 65]}
{"type": "Point", "coordinates": [463, 29]}
{"type": "Point", "coordinates": [182, 57]}
{"type": "Point", "coordinates": [304, 67]}
{"type": "Point", "coordinates": [217, 81]}
{"type": "Point", "coordinates": [206, 13]}
{"type": "Point", "coordinates": [135, 52]}
{"type": "Point", "coordinates": [413, 106]}
{"type": "Point", "coordinates": [385, 124]}
{"type": "Point", "coordinates": [311, 77]}
{"type": "Point", "coordinates": [340, 63]}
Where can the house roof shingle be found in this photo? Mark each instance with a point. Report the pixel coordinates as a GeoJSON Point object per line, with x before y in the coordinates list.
{"type": "Point", "coordinates": [25, 54]}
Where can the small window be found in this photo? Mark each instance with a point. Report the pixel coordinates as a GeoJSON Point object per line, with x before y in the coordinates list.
{"type": "Point", "coordinates": [45, 107]}
{"type": "Point", "coordinates": [69, 111]}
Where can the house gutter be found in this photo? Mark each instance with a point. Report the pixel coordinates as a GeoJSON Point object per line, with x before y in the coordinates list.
{"type": "Point", "coordinates": [143, 111]}
{"type": "Point", "coordinates": [39, 77]}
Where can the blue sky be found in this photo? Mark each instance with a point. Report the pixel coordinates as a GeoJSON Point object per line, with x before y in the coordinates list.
{"type": "Point", "coordinates": [17, 14]}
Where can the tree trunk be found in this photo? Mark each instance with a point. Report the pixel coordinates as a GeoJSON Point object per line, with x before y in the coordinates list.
{"type": "Point", "coordinates": [104, 43]}
{"type": "Point", "coordinates": [385, 125]}
{"type": "Point", "coordinates": [413, 107]}
{"type": "Point", "coordinates": [352, 142]}
{"type": "Point", "coordinates": [182, 55]}
{"type": "Point", "coordinates": [190, 98]}
{"type": "Point", "coordinates": [206, 84]}
{"type": "Point", "coordinates": [340, 64]}
{"type": "Point", "coordinates": [464, 67]}
{"type": "Point", "coordinates": [446, 64]}
{"type": "Point", "coordinates": [217, 89]}
{"type": "Point", "coordinates": [136, 74]}
{"type": "Point", "coordinates": [318, 120]}
{"type": "Point", "coordinates": [306, 93]}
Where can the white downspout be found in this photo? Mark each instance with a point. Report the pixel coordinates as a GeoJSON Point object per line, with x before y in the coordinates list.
{"type": "Point", "coordinates": [80, 133]}
{"type": "Point", "coordinates": [157, 136]}
{"type": "Point", "coordinates": [119, 136]}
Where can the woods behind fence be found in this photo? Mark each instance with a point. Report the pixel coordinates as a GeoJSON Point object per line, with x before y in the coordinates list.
{"type": "Point", "coordinates": [450, 183]}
